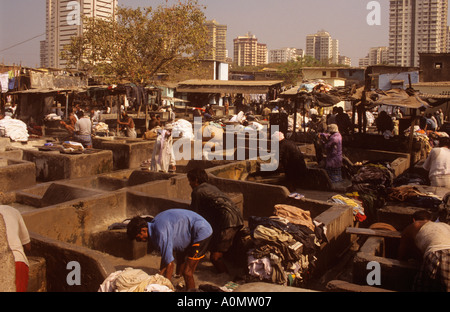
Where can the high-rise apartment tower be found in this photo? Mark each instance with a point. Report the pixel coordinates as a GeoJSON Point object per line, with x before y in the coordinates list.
{"type": "Point", "coordinates": [217, 41]}
{"type": "Point", "coordinates": [416, 26]}
{"type": "Point", "coordinates": [322, 47]}
{"type": "Point", "coordinates": [65, 20]}
{"type": "Point", "coordinates": [248, 52]}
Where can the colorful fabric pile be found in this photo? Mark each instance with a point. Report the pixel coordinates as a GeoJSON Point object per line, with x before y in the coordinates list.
{"type": "Point", "coordinates": [284, 246]}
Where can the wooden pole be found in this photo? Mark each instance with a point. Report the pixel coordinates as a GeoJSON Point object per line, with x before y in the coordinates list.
{"type": "Point", "coordinates": [411, 138]}
{"type": "Point", "coordinates": [373, 232]}
{"type": "Point", "coordinates": [67, 104]}
{"type": "Point", "coordinates": [295, 115]}
{"type": "Point", "coordinates": [146, 111]}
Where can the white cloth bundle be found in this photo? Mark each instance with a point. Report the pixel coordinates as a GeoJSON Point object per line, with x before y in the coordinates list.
{"type": "Point", "coordinates": [15, 129]}
{"type": "Point", "coordinates": [182, 129]}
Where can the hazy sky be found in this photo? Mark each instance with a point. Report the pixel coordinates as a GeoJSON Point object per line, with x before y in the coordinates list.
{"type": "Point", "coordinates": [277, 23]}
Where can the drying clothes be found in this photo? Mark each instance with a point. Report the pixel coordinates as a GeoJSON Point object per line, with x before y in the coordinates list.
{"type": "Point", "coordinates": [12, 83]}
{"type": "Point", "coordinates": [4, 82]}
{"type": "Point", "coordinates": [294, 215]}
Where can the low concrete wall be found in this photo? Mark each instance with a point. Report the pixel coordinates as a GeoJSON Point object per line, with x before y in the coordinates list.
{"type": "Point", "coordinates": [399, 162]}
{"type": "Point", "coordinates": [52, 194]}
{"type": "Point", "coordinates": [127, 153]}
{"type": "Point", "coordinates": [52, 166]}
{"type": "Point", "coordinates": [59, 256]}
{"type": "Point", "coordinates": [16, 174]}
{"type": "Point", "coordinates": [37, 281]}
{"type": "Point", "coordinates": [395, 275]}
{"type": "Point", "coordinates": [110, 181]}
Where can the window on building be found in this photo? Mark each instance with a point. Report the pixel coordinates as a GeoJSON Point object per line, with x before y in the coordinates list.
{"type": "Point", "coordinates": [438, 65]}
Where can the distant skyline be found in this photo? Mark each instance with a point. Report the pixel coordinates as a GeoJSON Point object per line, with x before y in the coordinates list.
{"type": "Point", "coordinates": [279, 24]}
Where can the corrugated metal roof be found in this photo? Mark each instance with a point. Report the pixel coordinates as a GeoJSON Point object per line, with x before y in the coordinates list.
{"type": "Point", "coordinates": [227, 86]}
{"type": "Point", "coordinates": [202, 82]}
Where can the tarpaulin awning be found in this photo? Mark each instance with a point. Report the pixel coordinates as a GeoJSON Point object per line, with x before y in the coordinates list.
{"type": "Point", "coordinates": [227, 86]}
{"type": "Point", "coordinates": [400, 98]}
{"type": "Point", "coordinates": [323, 99]}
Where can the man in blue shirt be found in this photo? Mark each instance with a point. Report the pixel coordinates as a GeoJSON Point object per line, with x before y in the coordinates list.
{"type": "Point", "coordinates": [179, 231]}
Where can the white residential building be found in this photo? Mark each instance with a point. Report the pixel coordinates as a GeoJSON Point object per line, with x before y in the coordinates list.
{"type": "Point", "coordinates": [64, 21]}
{"type": "Point", "coordinates": [322, 47]}
{"type": "Point", "coordinates": [416, 26]}
{"type": "Point", "coordinates": [376, 56]}
{"type": "Point", "coordinates": [285, 55]}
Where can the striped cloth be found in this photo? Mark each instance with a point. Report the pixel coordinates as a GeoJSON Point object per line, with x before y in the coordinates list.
{"type": "Point", "coordinates": [434, 274]}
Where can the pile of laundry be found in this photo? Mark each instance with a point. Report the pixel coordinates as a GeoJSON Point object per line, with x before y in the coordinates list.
{"type": "Point", "coordinates": [14, 129]}
{"type": "Point", "coordinates": [135, 280]}
{"type": "Point", "coordinates": [373, 177]}
{"type": "Point", "coordinates": [284, 246]}
{"type": "Point", "coordinates": [371, 183]}
{"type": "Point", "coordinates": [411, 195]}
{"type": "Point", "coordinates": [182, 129]}
{"type": "Point", "coordinates": [101, 127]}
{"type": "Point", "coordinates": [420, 136]}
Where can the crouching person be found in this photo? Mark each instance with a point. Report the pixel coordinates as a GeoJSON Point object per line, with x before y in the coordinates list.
{"type": "Point", "coordinates": [179, 233]}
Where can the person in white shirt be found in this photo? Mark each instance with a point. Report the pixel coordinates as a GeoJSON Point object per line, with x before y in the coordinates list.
{"type": "Point", "coordinates": [19, 242]}
{"type": "Point", "coordinates": [438, 164]}
{"type": "Point", "coordinates": [428, 242]}
{"type": "Point", "coordinates": [83, 130]}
